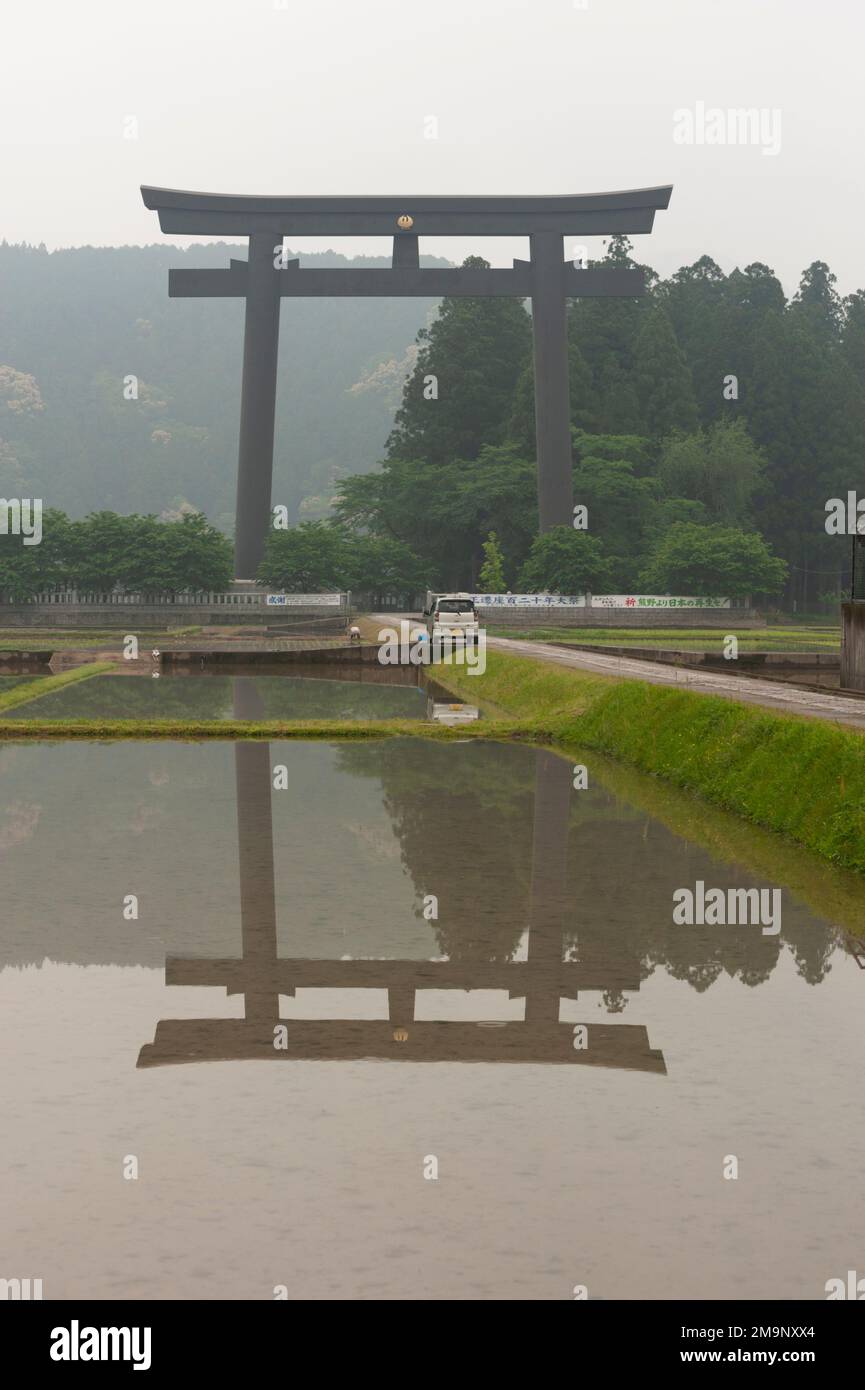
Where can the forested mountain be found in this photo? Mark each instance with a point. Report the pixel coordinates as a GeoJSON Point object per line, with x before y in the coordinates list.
{"type": "Point", "coordinates": [75, 323]}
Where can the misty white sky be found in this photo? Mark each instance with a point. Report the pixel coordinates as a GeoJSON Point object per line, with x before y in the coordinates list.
{"type": "Point", "coordinates": [531, 96]}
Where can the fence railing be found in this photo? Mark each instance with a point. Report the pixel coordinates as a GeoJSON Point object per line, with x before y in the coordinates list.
{"type": "Point", "coordinates": [626, 601]}
{"type": "Point", "coordinates": [187, 598]}
{"type": "Point", "coordinates": [387, 601]}
{"type": "Point", "coordinates": [384, 601]}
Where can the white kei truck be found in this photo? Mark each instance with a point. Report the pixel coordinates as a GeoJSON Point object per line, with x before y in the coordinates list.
{"type": "Point", "coordinates": [450, 616]}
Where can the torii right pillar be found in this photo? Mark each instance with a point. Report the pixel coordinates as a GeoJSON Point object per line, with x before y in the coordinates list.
{"type": "Point", "coordinates": [552, 394]}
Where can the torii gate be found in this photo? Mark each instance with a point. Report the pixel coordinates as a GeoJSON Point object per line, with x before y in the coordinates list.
{"type": "Point", "coordinates": [547, 280]}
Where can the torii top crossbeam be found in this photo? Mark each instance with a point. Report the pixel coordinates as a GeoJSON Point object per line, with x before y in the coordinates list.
{"type": "Point", "coordinates": [236, 214]}
{"type": "Point", "coordinates": [264, 279]}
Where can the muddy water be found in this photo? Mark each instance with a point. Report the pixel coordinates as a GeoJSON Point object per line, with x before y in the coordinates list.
{"type": "Point", "coordinates": [284, 1004]}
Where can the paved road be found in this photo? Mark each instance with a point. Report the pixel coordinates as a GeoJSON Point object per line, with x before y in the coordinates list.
{"type": "Point", "coordinates": [787, 699]}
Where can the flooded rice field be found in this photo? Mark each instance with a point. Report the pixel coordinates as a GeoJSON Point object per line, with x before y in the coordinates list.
{"type": "Point", "coordinates": [365, 692]}
{"type": "Point", "coordinates": [413, 1020]}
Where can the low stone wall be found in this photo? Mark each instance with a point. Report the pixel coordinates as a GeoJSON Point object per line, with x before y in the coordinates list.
{"type": "Point", "coordinates": [155, 618]}
{"type": "Point", "coordinates": [26, 657]}
{"type": "Point", "coordinates": [353, 653]}
{"type": "Point", "coordinates": [723, 618]}
{"type": "Point", "coordinates": [752, 662]}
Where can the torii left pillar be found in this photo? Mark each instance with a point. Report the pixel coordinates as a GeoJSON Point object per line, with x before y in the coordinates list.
{"type": "Point", "coordinates": [257, 407]}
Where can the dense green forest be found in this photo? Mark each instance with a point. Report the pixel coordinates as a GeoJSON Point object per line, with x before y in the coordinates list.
{"type": "Point", "coordinates": [75, 323]}
{"type": "Point", "coordinates": [712, 420]}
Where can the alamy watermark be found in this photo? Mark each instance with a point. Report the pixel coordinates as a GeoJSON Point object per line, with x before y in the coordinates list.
{"type": "Point", "coordinates": [845, 517]}
{"type": "Point", "coordinates": [22, 516]}
{"type": "Point", "coordinates": [852, 1288]}
{"type": "Point", "coordinates": [733, 125]}
{"type": "Point", "coordinates": [731, 907]}
{"type": "Point", "coordinates": [20, 1290]}
{"type": "Point", "coordinates": [412, 646]}
{"type": "Point", "coordinates": [77, 1343]}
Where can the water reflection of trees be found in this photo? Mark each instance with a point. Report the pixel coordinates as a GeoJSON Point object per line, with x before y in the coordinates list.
{"type": "Point", "coordinates": [465, 827]}
{"type": "Point", "coordinates": [133, 697]}
{"type": "Point", "coordinates": [210, 697]}
{"type": "Point", "coordinates": [314, 696]}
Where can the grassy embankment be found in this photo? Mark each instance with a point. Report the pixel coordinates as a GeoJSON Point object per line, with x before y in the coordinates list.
{"type": "Point", "coordinates": [766, 639]}
{"type": "Point", "coordinates": [802, 777]}
{"type": "Point", "coordinates": [45, 685]}
{"type": "Point", "coordinates": [204, 730]}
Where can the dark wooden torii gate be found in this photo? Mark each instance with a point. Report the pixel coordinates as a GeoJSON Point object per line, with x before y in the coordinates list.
{"type": "Point", "coordinates": [546, 279]}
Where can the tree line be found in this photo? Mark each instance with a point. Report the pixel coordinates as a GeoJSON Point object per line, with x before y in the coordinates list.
{"type": "Point", "coordinates": [104, 551]}
{"type": "Point", "coordinates": [711, 421]}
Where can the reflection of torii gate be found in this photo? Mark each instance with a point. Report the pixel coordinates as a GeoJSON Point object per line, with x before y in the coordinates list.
{"type": "Point", "coordinates": [546, 279]}
{"type": "Point", "coordinates": [261, 976]}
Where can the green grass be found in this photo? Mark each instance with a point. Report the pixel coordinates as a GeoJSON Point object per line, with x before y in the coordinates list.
{"type": "Point", "coordinates": [533, 691]}
{"type": "Point", "coordinates": [802, 777]}
{"type": "Point", "coordinates": [30, 690]}
{"type": "Point", "coordinates": [198, 730]}
{"type": "Point", "coordinates": [37, 641]}
{"type": "Point", "coordinates": [767, 639]}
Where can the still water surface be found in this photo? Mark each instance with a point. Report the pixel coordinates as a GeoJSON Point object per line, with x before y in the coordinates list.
{"type": "Point", "coordinates": [356, 692]}
{"type": "Point", "coordinates": [406, 1036]}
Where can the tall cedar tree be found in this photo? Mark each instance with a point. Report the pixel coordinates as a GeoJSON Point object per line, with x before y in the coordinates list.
{"type": "Point", "coordinates": [476, 350]}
